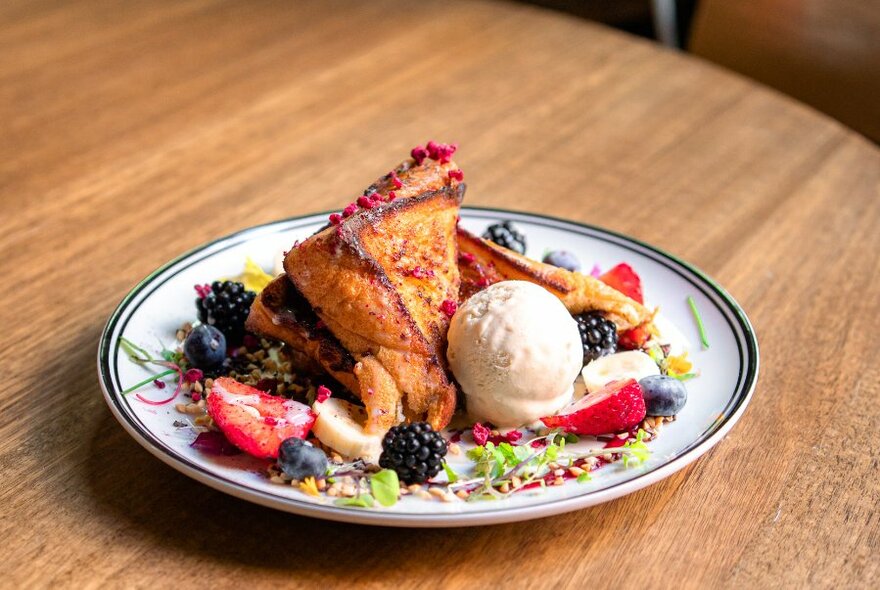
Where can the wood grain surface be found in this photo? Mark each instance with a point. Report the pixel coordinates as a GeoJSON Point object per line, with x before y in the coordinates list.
{"type": "Point", "coordinates": [823, 52]}
{"type": "Point", "coordinates": [135, 130]}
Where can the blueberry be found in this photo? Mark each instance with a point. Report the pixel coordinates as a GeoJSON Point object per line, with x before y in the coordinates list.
{"type": "Point", "coordinates": [205, 347]}
{"type": "Point", "coordinates": [664, 395]}
{"type": "Point", "coordinates": [563, 259]}
{"type": "Point", "coordinates": [299, 459]}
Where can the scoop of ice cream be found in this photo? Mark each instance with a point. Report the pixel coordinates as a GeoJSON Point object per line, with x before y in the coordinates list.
{"type": "Point", "coordinates": [516, 351]}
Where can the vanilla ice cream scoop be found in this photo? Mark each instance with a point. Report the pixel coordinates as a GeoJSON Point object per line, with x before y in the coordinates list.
{"type": "Point", "coordinates": [516, 351]}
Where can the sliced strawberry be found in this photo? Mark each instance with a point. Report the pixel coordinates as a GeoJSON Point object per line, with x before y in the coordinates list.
{"type": "Point", "coordinates": [623, 278]}
{"type": "Point", "coordinates": [616, 407]}
{"type": "Point", "coordinates": [254, 421]}
{"type": "Point", "coordinates": [634, 338]}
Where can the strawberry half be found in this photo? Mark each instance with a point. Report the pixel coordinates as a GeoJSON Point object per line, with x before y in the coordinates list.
{"type": "Point", "coordinates": [254, 421]}
{"type": "Point", "coordinates": [635, 338]}
{"type": "Point", "coordinates": [616, 407]}
{"type": "Point", "coordinates": [623, 278]}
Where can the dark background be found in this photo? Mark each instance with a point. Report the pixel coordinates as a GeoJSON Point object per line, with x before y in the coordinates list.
{"type": "Point", "coordinates": [825, 53]}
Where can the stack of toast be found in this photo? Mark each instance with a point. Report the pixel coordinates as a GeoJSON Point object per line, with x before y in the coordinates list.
{"type": "Point", "coordinates": [368, 298]}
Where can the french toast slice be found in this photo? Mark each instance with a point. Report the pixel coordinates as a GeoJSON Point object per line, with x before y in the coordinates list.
{"type": "Point", "coordinates": [483, 262]}
{"type": "Point", "coordinates": [282, 313]}
{"type": "Point", "coordinates": [410, 179]}
{"type": "Point", "coordinates": [380, 279]}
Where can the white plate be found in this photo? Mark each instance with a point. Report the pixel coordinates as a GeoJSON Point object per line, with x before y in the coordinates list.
{"type": "Point", "coordinates": [159, 304]}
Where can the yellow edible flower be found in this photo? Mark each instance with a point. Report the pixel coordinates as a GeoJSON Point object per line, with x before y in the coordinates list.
{"type": "Point", "coordinates": [254, 278]}
{"type": "Point", "coordinates": [309, 486]}
{"type": "Point", "coordinates": [679, 365]}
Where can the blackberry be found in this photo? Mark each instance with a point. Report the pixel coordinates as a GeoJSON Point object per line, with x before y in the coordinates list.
{"type": "Point", "coordinates": [505, 234]}
{"type": "Point", "coordinates": [414, 451]}
{"type": "Point", "coordinates": [598, 335]}
{"type": "Point", "coordinates": [226, 308]}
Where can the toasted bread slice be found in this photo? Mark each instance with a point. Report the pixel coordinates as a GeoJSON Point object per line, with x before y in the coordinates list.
{"type": "Point", "coordinates": [379, 280]}
{"type": "Point", "coordinates": [484, 262]}
{"type": "Point", "coordinates": [409, 179]}
{"type": "Point", "coordinates": [282, 313]}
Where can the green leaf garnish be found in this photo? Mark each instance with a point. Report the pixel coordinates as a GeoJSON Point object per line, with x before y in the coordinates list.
{"type": "Point", "coordinates": [507, 452]}
{"type": "Point", "coordinates": [385, 487]}
{"type": "Point", "coordinates": [451, 475]}
{"type": "Point", "coordinates": [362, 501]}
{"type": "Point", "coordinates": [486, 459]}
{"type": "Point", "coordinates": [685, 377]}
{"type": "Point", "coordinates": [476, 453]}
{"type": "Point", "coordinates": [522, 452]}
{"type": "Point", "coordinates": [639, 451]}
{"type": "Point", "coordinates": [500, 462]}
{"type": "Point", "coordinates": [585, 476]}
{"type": "Point", "coordinates": [693, 305]}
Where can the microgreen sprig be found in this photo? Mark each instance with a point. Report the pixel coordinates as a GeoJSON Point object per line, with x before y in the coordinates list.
{"type": "Point", "coordinates": [702, 328]}
{"type": "Point", "coordinates": [499, 465]}
{"type": "Point", "coordinates": [170, 360]}
{"type": "Point", "coordinates": [148, 380]}
{"type": "Point", "coordinates": [135, 352]}
{"type": "Point", "coordinates": [638, 451]}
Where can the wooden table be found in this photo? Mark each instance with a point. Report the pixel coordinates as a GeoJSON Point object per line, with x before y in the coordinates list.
{"type": "Point", "coordinates": [133, 131]}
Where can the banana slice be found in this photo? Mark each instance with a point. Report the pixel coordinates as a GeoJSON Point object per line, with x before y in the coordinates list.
{"type": "Point", "coordinates": [631, 364]}
{"type": "Point", "coordinates": [340, 426]}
